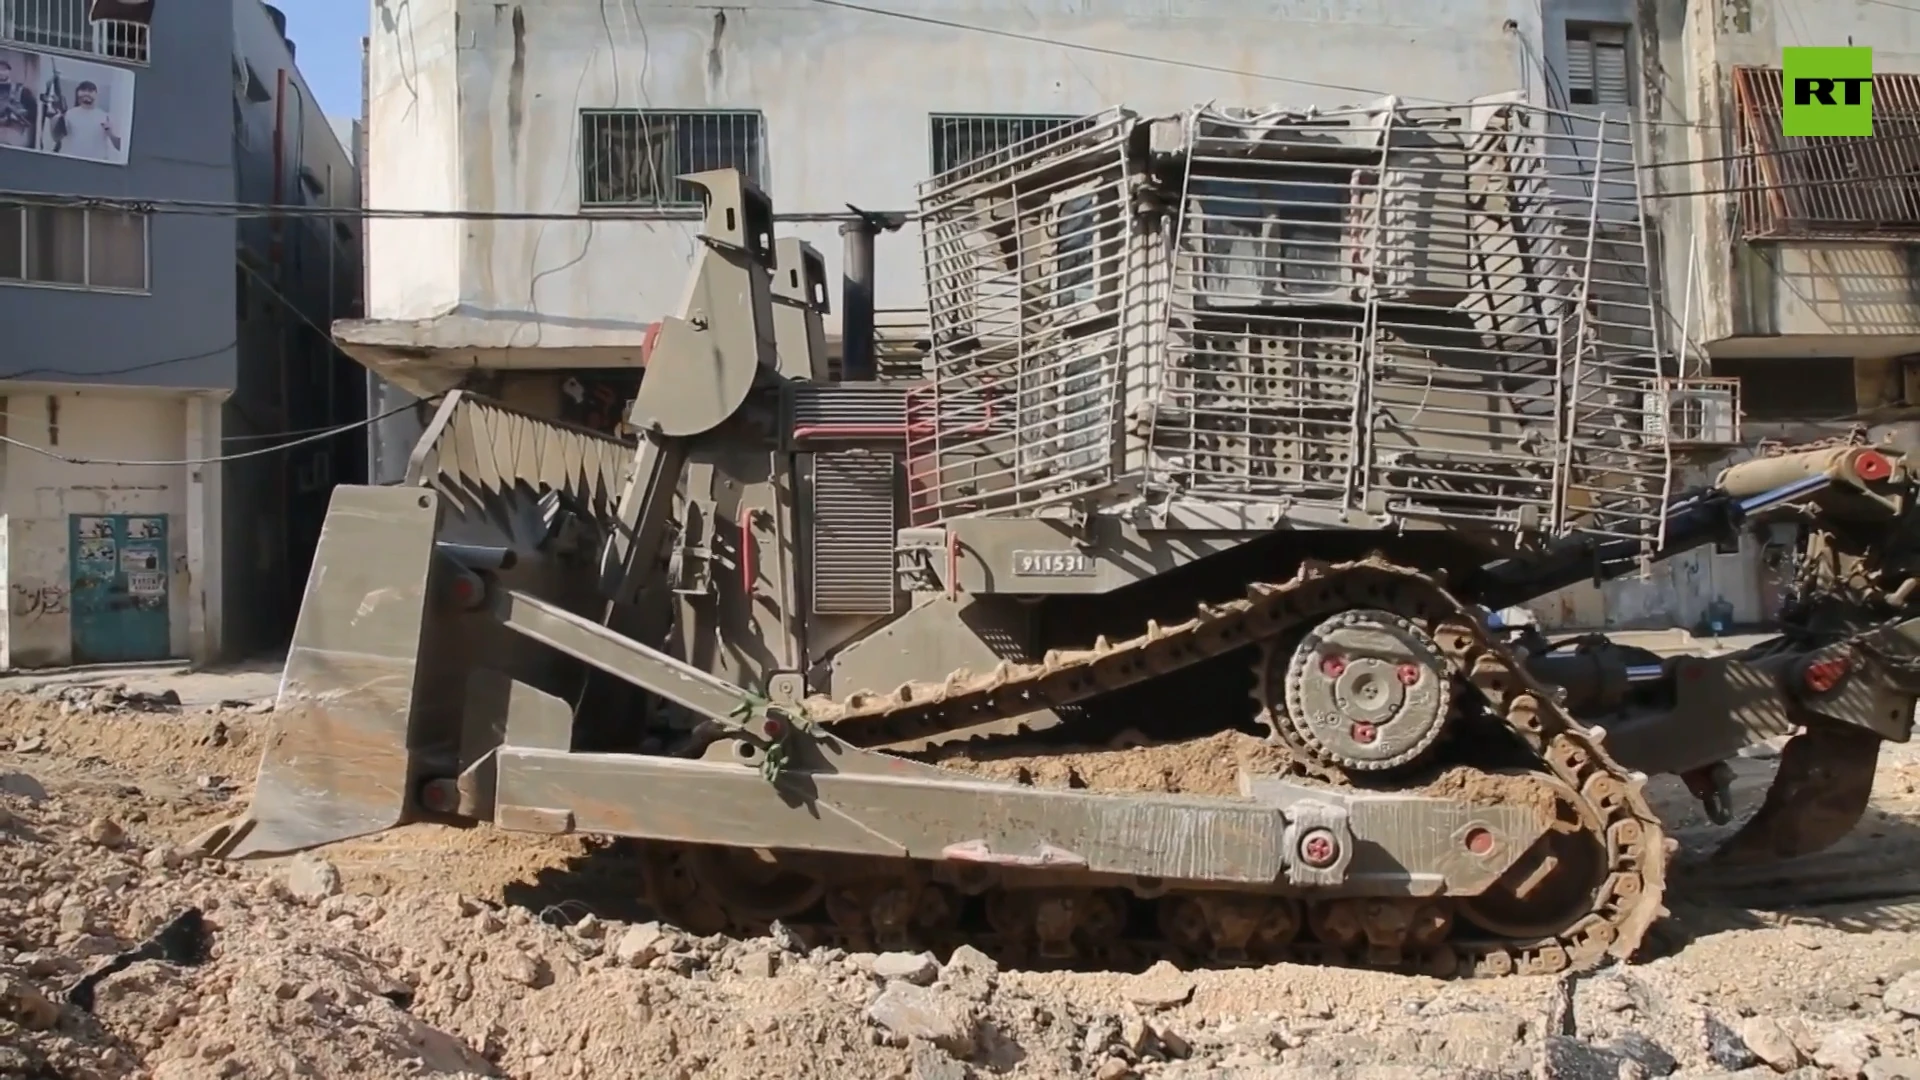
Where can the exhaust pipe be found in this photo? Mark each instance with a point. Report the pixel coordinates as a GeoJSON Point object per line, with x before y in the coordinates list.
{"type": "Point", "coordinates": [857, 358]}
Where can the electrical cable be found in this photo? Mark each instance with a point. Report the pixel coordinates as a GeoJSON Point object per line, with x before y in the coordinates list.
{"type": "Point", "coordinates": [215, 208]}
{"type": "Point", "coordinates": [130, 369]}
{"type": "Point", "coordinates": [223, 458]}
{"type": "Point", "coordinates": [1121, 54]}
{"type": "Point", "coordinates": [191, 357]}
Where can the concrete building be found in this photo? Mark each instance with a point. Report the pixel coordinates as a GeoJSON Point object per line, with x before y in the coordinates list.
{"type": "Point", "coordinates": [141, 345]}
{"type": "Point", "coordinates": [547, 107]}
{"type": "Point", "coordinates": [574, 106]}
{"type": "Point", "coordinates": [1799, 276]}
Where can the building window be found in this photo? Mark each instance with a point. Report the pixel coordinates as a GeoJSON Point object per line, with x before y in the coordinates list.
{"type": "Point", "coordinates": [68, 25]}
{"type": "Point", "coordinates": [1802, 388]}
{"type": "Point", "coordinates": [629, 157]}
{"type": "Point", "coordinates": [1839, 188]}
{"type": "Point", "coordinates": [958, 139]}
{"type": "Point", "coordinates": [1597, 65]}
{"type": "Point", "coordinates": [63, 245]}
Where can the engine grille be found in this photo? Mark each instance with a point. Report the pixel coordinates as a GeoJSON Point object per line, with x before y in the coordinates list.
{"type": "Point", "coordinates": [853, 525]}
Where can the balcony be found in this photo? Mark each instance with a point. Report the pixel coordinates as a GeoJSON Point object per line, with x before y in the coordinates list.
{"type": "Point", "coordinates": [66, 26]}
{"type": "Point", "coordinates": [1826, 231]}
{"type": "Point", "coordinates": [1794, 187]}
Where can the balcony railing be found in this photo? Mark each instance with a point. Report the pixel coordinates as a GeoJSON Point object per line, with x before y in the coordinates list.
{"type": "Point", "coordinates": [65, 25]}
{"type": "Point", "coordinates": [1793, 187]}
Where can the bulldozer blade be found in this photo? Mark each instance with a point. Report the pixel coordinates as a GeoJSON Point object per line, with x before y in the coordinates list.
{"type": "Point", "coordinates": [337, 762]}
{"type": "Point", "coordinates": [1820, 792]}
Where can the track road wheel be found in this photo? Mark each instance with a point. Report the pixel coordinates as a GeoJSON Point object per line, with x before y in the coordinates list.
{"type": "Point", "coordinates": [673, 889]}
{"type": "Point", "coordinates": [1819, 794]}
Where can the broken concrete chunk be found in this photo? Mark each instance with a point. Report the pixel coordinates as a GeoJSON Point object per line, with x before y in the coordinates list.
{"type": "Point", "coordinates": [931, 1064]}
{"type": "Point", "coordinates": [639, 945]}
{"type": "Point", "coordinates": [1770, 1043]}
{"type": "Point", "coordinates": [1845, 1051]}
{"type": "Point", "coordinates": [972, 961]}
{"type": "Point", "coordinates": [311, 879]}
{"type": "Point", "coordinates": [755, 963]}
{"type": "Point", "coordinates": [914, 1012]}
{"type": "Point", "coordinates": [1904, 995]}
{"type": "Point", "coordinates": [1161, 986]}
{"type": "Point", "coordinates": [920, 969]}
{"type": "Point", "coordinates": [105, 832]}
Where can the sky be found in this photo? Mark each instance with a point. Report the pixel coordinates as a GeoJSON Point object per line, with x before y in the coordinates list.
{"type": "Point", "coordinates": [327, 34]}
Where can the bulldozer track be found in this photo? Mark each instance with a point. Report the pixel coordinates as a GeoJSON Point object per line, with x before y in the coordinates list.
{"type": "Point", "coordinates": [893, 903]}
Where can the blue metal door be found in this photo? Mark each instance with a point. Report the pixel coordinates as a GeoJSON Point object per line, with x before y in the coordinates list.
{"type": "Point", "coordinates": [119, 588]}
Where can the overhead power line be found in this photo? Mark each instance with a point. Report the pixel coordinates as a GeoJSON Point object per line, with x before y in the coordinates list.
{"type": "Point", "coordinates": [128, 370]}
{"type": "Point", "coordinates": [1101, 50]}
{"type": "Point", "coordinates": [218, 208]}
{"type": "Point", "coordinates": [321, 436]}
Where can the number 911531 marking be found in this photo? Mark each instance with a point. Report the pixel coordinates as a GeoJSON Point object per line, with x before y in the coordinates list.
{"type": "Point", "coordinates": [1052, 564]}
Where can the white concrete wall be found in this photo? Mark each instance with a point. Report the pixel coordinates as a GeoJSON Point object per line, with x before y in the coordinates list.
{"type": "Point", "coordinates": [846, 95]}
{"type": "Point", "coordinates": [1859, 290]}
{"type": "Point", "coordinates": [413, 160]}
{"type": "Point", "coordinates": [40, 492]}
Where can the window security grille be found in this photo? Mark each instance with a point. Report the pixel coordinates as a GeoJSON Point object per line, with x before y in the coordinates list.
{"type": "Point", "coordinates": [629, 157]}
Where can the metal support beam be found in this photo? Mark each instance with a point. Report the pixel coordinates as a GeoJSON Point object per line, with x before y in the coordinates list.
{"type": "Point", "coordinates": [617, 655]}
{"type": "Point", "coordinates": [856, 807]}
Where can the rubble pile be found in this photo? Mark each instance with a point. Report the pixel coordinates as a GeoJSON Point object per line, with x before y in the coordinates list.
{"type": "Point", "coordinates": [125, 954]}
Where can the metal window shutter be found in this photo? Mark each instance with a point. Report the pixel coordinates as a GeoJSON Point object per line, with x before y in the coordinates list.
{"type": "Point", "coordinates": [1579, 64]}
{"type": "Point", "coordinates": [1610, 67]}
{"type": "Point", "coordinates": [853, 533]}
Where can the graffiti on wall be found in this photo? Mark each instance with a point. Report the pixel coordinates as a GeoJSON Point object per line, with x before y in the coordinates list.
{"type": "Point", "coordinates": [33, 601]}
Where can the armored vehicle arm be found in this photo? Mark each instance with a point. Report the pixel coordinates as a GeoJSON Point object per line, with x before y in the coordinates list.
{"type": "Point", "coordinates": [1840, 678]}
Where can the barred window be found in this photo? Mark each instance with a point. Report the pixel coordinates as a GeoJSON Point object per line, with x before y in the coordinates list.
{"type": "Point", "coordinates": [629, 157]}
{"type": "Point", "coordinates": [958, 139]}
{"type": "Point", "coordinates": [70, 25]}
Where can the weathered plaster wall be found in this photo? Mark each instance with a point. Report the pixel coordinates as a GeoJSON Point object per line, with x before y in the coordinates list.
{"type": "Point", "coordinates": [39, 493]}
{"type": "Point", "coordinates": [413, 158]}
{"type": "Point", "coordinates": [482, 113]}
{"type": "Point", "coordinates": [1786, 298]}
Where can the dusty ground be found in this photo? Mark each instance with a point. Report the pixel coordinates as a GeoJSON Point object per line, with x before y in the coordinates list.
{"type": "Point", "coordinates": [432, 952]}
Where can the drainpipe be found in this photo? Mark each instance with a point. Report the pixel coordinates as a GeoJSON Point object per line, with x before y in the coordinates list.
{"type": "Point", "coordinates": [279, 162]}
{"type": "Point", "coordinates": [856, 291]}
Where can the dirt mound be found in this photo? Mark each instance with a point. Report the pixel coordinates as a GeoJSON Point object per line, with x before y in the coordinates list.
{"type": "Point", "coordinates": [1210, 765]}
{"type": "Point", "coordinates": [1204, 766]}
{"type": "Point", "coordinates": [475, 953]}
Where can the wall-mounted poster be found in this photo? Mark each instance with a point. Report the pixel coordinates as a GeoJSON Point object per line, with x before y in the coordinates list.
{"type": "Point", "coordinates": [60, 105]}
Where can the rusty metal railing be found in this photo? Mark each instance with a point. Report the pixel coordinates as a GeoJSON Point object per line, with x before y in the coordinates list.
{"type": "Point", "coordinates": [1826, 188]}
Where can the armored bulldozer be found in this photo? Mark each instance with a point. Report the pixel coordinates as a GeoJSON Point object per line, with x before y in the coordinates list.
{"type": "Point", "coordinates": [1148, 615]}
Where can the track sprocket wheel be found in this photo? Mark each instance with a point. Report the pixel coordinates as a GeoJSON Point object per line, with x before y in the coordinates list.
{"type": "Point", "coordinates": [1553, 885]}
{"type": "Point", "coordinates": [1364, 691]}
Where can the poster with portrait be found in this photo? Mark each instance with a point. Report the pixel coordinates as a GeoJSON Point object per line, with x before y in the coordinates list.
{"type": "Point", "coordinates": [62, 105]}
